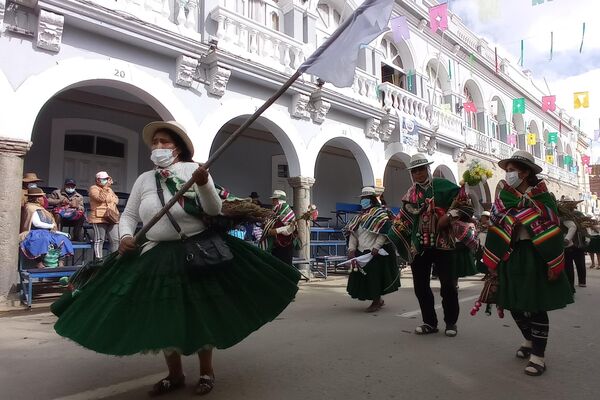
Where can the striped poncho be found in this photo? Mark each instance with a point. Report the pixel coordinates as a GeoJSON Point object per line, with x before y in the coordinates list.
{"type": "Point", "coordinates": [375, 220]}
{"type": "Point", "coordinates": [534, 211]}
{"type": "Point", "coordinates": [284, 215]}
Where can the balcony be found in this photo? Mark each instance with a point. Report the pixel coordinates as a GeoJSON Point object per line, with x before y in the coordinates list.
{"type": "Point", "coordinates": [500, 149]}
{"type": "Point", "coordinates": [478, 141]}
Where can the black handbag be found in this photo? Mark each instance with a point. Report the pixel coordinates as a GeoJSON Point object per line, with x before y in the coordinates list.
{"type": "Point", "coordinates": [205, 252]}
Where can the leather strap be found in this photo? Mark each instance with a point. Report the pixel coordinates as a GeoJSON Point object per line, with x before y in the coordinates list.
{"type": "Point", "coordinates": [161, 197]}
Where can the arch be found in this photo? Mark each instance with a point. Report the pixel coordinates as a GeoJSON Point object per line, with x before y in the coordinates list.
{"type": "Point", "coordinates": [364, 164]}
{"type": "Point", "coordinates": [472, 93]}
{"type": "Point", "coordinates": [519, 124]}
{"type": "Point", "coordinates": [436, 71]}
{"type": "Point", "coordinates": [405, 51]}
{"type": "Point", "coordinates": [443, 171]}
{"type": "Point", "coordinates": [499, 123]}
{"type": "Point", "coordinates": [560, 152]}
{"type": "Point", "coordinates": [537, 149]}
{"type": "Point", "coordinates": [36, 90]}
{"type": "Point", "coordinates": [396, 178]}
{"type": "Point", "coordinates": [275, 121]}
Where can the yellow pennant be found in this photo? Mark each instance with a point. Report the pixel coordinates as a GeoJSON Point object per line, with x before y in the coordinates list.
{"type": "Point", "coordinates": [549, 158]}
{"type": "Point", "coordinates": [531, 139]}
{"type": "Point", "coordinates": [581, 99]}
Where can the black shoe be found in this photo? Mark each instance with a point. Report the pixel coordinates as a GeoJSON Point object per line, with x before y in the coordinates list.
{"type": "Point", "coordinates": [451, 330]}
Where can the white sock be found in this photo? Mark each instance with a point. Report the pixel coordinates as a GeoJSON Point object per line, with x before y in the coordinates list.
{"type": "Point", "coordinates": [537, 360]}
{"type": "Point", "coordinates": [527, 343]}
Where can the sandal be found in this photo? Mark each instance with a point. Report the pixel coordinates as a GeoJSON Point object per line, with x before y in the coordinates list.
{"type": "Point", "coordinates": [523, 352]}
{"type": "Point", "coordinates": [205, 385]}
{"type": "Point", "coordinates": [539, 369]}
{"type": "Point", "coordinates": [425, 329]}
{"type": "Point", "coordinates": [451, 331]}
{"type": "Point", "coordinates": [167, 385]}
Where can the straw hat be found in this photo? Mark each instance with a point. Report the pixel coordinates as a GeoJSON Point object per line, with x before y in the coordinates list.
{"type": "Point", "coordinates": [279, 194]}
{"type": "Point", "coordinates": [31, 177]}
{"type": "Point", "coordinates": [368, 191]}
{"type": "Point", "coordinates": [523, 157]}
{"type": "Point", "coordinates": [486, 214]}
{"type": "Point", "coordinates": [173, 126]}
{"type": "Point", "coordinates": [418, 160]}
{"type": "Point", "coordinates": [569, 199]}
{"type": "Point", "coordinates": [35, 192]}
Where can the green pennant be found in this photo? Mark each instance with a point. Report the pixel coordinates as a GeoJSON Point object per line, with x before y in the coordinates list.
{"type": "Point", "coordinates": [519, 106]}
{"type": "Point", "coordinates": [553, 137]}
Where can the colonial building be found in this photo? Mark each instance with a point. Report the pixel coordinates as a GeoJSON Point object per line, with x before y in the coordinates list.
{"type": "Point", "coordinates": [80, 78]}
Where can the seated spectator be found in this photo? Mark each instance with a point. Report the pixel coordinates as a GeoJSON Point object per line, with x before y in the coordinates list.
{"type": "Point", "coordinates": [68, 208]}
{"type": "Point", "coordinates": [255, 198]}
{"type": "Point", "coordinates": [30, 179]}
{"type": "Point", "coordinates": [38, 235]}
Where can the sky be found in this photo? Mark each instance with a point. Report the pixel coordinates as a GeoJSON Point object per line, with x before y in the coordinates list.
{"type": "Point", "coordinates": [504, 23]}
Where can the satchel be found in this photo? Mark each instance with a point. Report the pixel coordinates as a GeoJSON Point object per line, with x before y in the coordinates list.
{"type": "Point", "coordinates": [205, 252]}
{"type": "Point", "coordinates": [111, 216]}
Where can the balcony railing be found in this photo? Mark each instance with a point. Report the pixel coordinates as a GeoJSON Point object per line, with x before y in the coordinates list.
{"type": "Point", "coordinates": [500, 149]}
{"type": "Point", "coordinates": [478, 141]}
{"type": "Point", "coordinates": [406, 102]}
{"type": "Point", "coordinates": [449, 124]}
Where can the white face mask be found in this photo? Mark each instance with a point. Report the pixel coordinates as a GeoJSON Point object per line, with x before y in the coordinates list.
{"type": "Point", "coordinates": [512, 178]}
{"type": "Point", "coordinates": [162, 157]}
{"type": "Point", "coordinates": [70, 190]}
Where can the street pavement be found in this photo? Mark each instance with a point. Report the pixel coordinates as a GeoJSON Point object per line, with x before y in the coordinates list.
{"type": "Point", "coordinates": [324, 346]}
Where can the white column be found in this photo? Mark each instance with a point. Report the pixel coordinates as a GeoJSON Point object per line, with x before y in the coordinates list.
{"type": "Point", "coordinates": [302, 186]}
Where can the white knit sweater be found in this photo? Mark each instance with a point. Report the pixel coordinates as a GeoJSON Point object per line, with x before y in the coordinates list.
{"type": "Point", "coordinates": [143, 204]}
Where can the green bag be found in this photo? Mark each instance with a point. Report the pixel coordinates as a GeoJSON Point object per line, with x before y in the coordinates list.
{"type": "Point", "coordinates": [51, 257]}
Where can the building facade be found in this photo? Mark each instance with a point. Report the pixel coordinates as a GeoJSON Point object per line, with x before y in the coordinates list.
{"type": "Point", "coordinates": [80, 78]}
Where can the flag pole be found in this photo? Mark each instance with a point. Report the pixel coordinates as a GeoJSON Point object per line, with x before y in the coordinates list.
{"type": "Point", "coordinates": [141, 233]}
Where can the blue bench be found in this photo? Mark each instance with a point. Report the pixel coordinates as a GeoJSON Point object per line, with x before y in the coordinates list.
{"type": "Point", "coordinates": [342, 210]}
{"type": "Point", "coordinates": [27, 276]}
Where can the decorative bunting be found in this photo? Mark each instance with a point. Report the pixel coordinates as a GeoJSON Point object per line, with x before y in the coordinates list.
{"type": "Point", "coordinates": [496, 59]}
{"type": "Point", "coordinates": [588, 170]}
{"type": "Point", "coordinates": [400, 29]}
{"type": "Point", "coordinates": [585, 160]}
{"type": "Point", "coordinates": [449, 70]}
{"type": "Point", "coordinates": [551, 45]}
{"type": "Point", "coordinates": [550, 158]}
{"type": "Point", "coordinates": [470, 107]}
{"type": "Point", "coordinates": [581, 99]}
{"type": "Point", "coordinates": [438, 17]}
{"type": "Point", "coordinates": [522, 51]}
{"type": "Point", "coordinates": [519, 106]}
{"type": "Point", "coordinates": [568, 159]}
{"type": "Point", "coordinates": [409, 79]}
{"type": "Point", "coordinates": [582, 37]}
{"type": "Point", "coordinates": [549, 103]}
{"type": "Point", "coordinates": [512, 139]}
{"type": "Point", "coordinates": [531, 139]}
{"type": "Point", "coordinates": [552, 137]}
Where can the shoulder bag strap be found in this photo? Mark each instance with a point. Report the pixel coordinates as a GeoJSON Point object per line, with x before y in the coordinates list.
{"type": "Point", "coordinates": [159, 191]}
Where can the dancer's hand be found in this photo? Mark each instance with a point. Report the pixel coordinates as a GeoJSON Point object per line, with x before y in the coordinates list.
{"type": "Point", "coordinates": [200, 176]}
{"type": "Point", "coordinates": [375, 252]}
{"type": "Point", "coordinates": [351, 254]}
{"type": "Point", "coordinates": [127, 244]}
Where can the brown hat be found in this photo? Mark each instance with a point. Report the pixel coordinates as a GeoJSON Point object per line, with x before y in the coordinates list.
{"type": "Point", "coordinates": [173, 126]}
{"type": "Point", "coordinates": [31, 177]}
{"type": "Point", "coordinates": [35, 192]}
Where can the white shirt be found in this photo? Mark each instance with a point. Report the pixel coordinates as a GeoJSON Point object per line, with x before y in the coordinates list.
{"type": "Point", "coordinates": [143, 204]}
{"type": "Point", "coordinates": [37, 222]}
{"type": "Point", "coordinates": [571, 230]}
{"type": "Point", "coordinates": [364, 240]}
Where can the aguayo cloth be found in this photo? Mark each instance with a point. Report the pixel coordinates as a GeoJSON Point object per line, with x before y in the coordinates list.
{"type": "Point", "coordinates": [416, 224]}
{"type": "Point", "coordinates": [536, 212]}
{"type": "Point", "coordinates": [284, 215]}
{"type": "Point", "coordinates": [375, 220]}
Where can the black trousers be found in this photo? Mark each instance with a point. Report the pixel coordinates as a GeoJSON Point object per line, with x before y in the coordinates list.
{"type": "Point", "coordinates": [285, 254]}
{"type": "Point", "coordinates": [575, 255]}
{"type": "Point", "coordinates": [534, 327]}
{"type": "Point", "coordinates": [421, 272]}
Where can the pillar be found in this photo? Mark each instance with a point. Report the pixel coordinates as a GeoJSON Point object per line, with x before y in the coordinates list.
{"type": "Point", "coordinates": [11, 165]}
{"type": "Point", "coordinates": [301, 186]}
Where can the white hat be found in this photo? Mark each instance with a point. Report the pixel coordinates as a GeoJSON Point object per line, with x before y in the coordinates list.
{"type": "Point", "coordinates": [569, 199]}
{"type": "Point", "coordinates": [522, 157]}
{"type": "Point", "coordinates": [418, 160]}
{"type": "Point", "coordinates": [279, 194]}
{"type": "Point", "coordinates": [102, 175]}
{"type": "Point", "coordinates": [368, 191]}
{"type": "Point", "coordinates": [486, 214]}
{"type": "Point", "coordinates": [173, 126]}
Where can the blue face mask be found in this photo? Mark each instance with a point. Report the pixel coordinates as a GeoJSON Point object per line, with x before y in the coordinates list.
{"type": "Point", "coordinates": [365, 203]}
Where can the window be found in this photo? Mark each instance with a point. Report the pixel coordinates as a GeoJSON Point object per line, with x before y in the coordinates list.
{"type": "Point", "coordinates": [329, 17]}
{"type": "Point", "coordinates": [470, 117]}
{"type": "Point", "coordinates": [274, 21]}
{"type": "Point", "coordinates": [435, 84]}
{"type": "Point", "coordinates": [92, 144]}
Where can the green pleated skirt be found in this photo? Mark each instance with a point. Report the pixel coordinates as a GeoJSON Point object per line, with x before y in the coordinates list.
{"type": "Point", "coordinates": [594, 245]}
{"type": "Point", "coordinates": [381, 276]}
{"type": "Point", "coordinates": [523, 283]}
{"type": "Point", "coordinates": [463, 262]}
{"type": "Point", "coordinates": [150, 302]}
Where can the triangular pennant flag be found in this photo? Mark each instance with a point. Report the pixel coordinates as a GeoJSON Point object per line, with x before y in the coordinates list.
{"type": "Point", "coordinates": [336, 60]}
{"type": "Point", "coordinates": [549, 103]}
{"type": "Point", "coordinates": [493, 107]}
{"type": "Point", "coordinates": [519, 106]}
{"type": "Point", "coordinates": [552, 137]}
{"type": "Point", "coordinates": [550, 158]}
{"type": "Point", "coordinates": [470, 107]}
{"type": "Point", "coordinates": [585, 160]}
{"type": "Point", "coordinates": [568, 160]}
{"type": "Point", "coordinates": [581, 99]}
{"type": "Point", "coordinates": [512, 139]}
{"type": "Point", "coordinates": [438, 17]}
{"type": "Point", "coordinates": [531, 139]}
{"type": "Point", "coordinates": [400, 30]}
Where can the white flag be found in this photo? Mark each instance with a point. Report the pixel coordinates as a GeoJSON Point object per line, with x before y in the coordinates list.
{"type": "Point", "coordinates": [336, 60]}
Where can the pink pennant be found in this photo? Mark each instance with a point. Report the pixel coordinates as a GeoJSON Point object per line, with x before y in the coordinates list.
{"type": "Point", "coordinates": [470, 107]}
{"type": "Point", "coordinates": [512, 139]}
{"type": "Point", "coordinates": [549, 103]}
{"type": "Point", "coordinates": [438, 17]}
{"type": "Point", "coordinates": [585, 160]}
{"type": "Point", "coordinates": [588, 170]}
{"type": "Point", "coordinates": [400, 29]}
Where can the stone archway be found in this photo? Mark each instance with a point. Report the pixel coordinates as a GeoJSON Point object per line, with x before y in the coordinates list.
{"type": "Point", "coordinates": [443, 171]}
{"type": "Point", "coordinates": [396, 179]}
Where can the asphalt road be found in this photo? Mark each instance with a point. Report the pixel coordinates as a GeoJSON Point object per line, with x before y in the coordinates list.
{"type": "Point", "coordinates": [324, 346]}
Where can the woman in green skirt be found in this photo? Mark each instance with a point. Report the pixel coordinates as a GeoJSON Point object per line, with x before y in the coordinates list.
{"type": "Point", "coordinates": [525, 250]}
{"type": "Point", "coordinates": [367, 234]}
{"type": "Point", "coordinates": [151, 299]}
